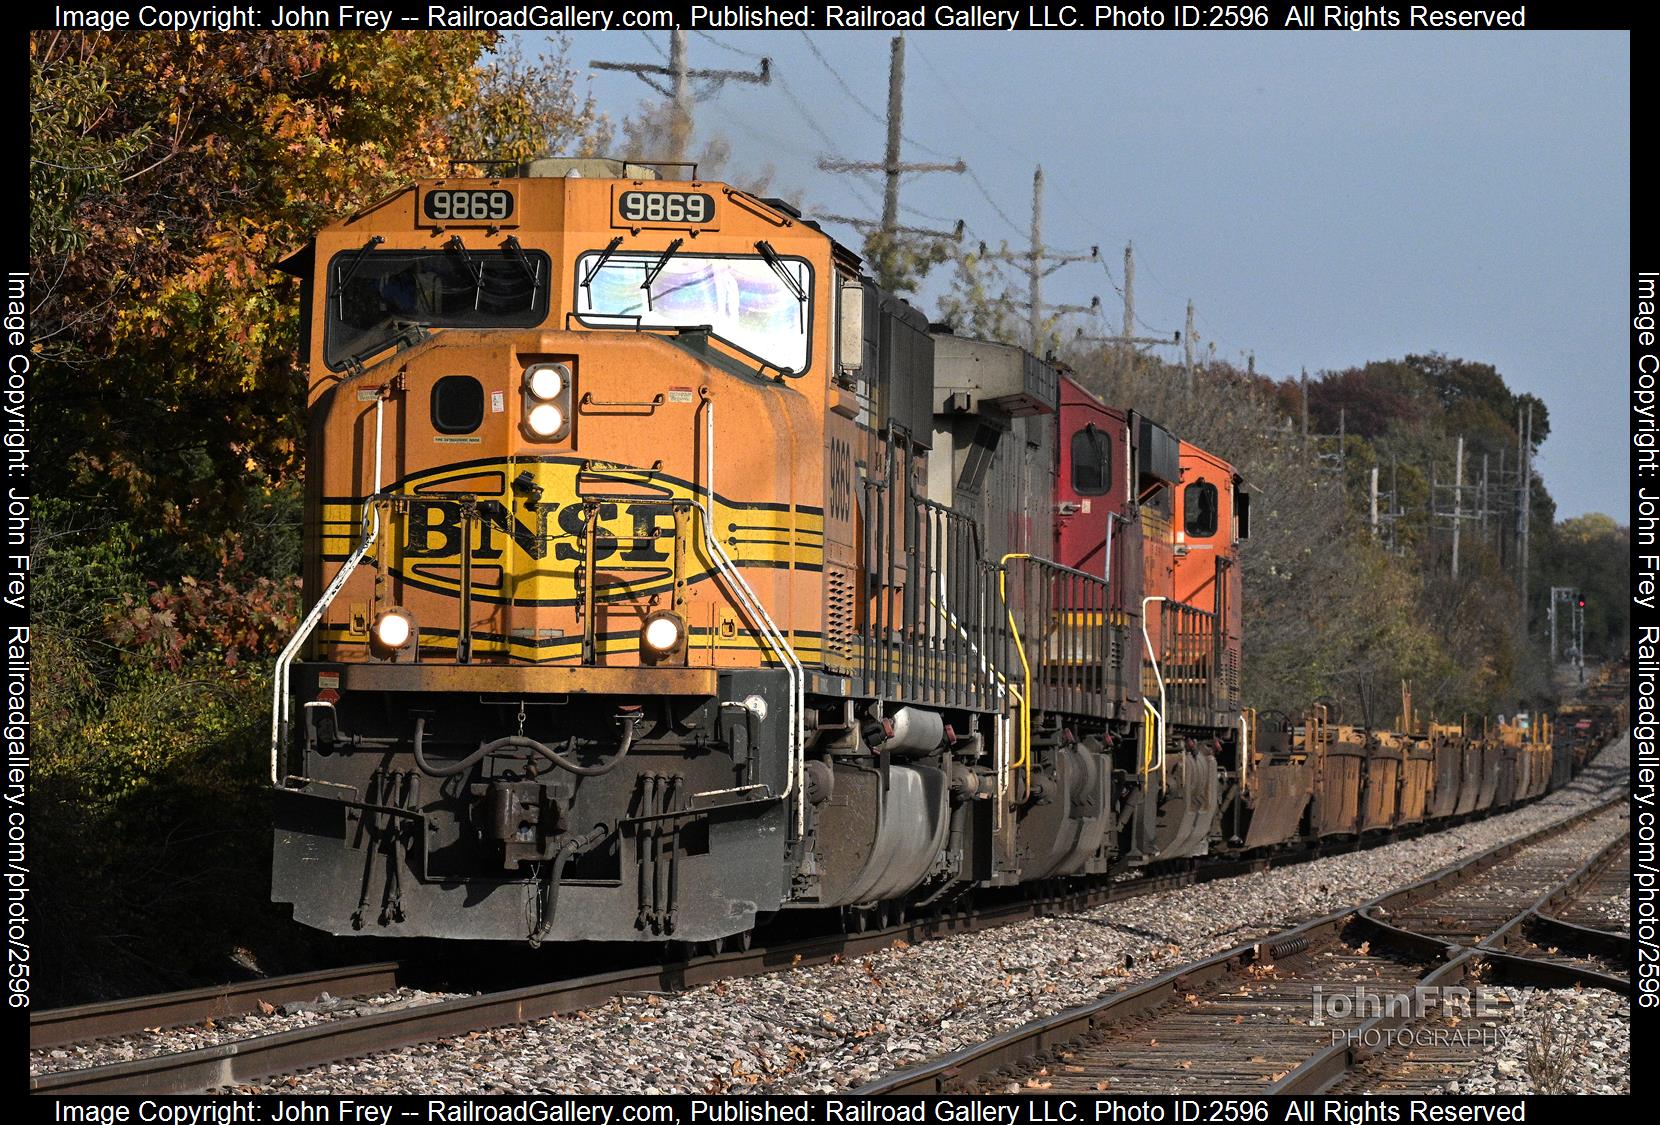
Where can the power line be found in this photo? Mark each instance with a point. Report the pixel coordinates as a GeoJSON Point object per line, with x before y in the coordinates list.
{"type": "Point", "coordinates": [679, 90]}
{"type": "Point", "coordinates": [725, 46]}
{"type": "Point", "coordinates": [848, 90]}
{"type": "Point", "coordinates": [892, 167]}
{"type": "Point", "coordinates": [1002, 214]}
{"type": "Point", "coordinates": [1040, 263]}
{"type": "Point", "coordinates": [910, 140]}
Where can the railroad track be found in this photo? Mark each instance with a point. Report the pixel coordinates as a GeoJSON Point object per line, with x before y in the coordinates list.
{"type": "Point", "coordinates": [1279, 1015]}
{"type": "Point", "coordinates": [58, 1027]}
{"type": "Point", "coordinates": [1537, 949]}
{"type": "Point", "coordinates": [246, 1059]}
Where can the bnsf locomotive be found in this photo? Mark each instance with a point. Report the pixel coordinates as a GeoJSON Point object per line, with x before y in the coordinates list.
{"type": "Point", "coordinates": [663, 574]}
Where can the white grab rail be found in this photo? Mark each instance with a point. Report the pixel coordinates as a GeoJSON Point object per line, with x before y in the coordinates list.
{"type": "Point", "coordinates": [279, 688]}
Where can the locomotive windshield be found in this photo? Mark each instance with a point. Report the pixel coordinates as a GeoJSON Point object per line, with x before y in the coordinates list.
{"type": "Point", "coordinates": [374, 295]}
{"type": "Point", "coordinates": [756, 304]}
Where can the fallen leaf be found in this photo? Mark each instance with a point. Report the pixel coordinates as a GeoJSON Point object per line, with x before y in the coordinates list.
{"type": "Point", "coordinates": [1104, 1084]}
{"type": "Point", "coordinates": [267, 1009]}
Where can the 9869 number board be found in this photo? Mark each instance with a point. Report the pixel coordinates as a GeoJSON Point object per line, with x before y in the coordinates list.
{"type": "Point", "coordinates": [665, 209]}
{"type": "Point", "coordinates": [456, 207]}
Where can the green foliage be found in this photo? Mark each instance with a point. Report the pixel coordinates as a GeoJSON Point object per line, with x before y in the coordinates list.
{"type": "Point", "coordinates": [981, 303]}
{"type": "Point", "coordinates": [1592, 554]}
{"type": "Point", "coordinates": [899, 262]}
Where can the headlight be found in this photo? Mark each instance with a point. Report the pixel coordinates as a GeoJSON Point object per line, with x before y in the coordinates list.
{"type": "Point", "coordinates": [394, 629]}
{"type": "Point", "coordinates": [545, 393]}
{"type": "Point", "coordinates": [546, 420]}
{"type": "Point", "coordinates": [546, 382]}
{"type": "Point", "coordinates": [663, 632]}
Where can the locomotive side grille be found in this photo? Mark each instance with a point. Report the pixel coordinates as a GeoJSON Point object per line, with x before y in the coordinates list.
{"type": "Point", "coordinates": [840, 638]}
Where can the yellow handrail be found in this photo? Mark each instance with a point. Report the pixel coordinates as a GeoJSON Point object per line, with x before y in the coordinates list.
{"type": "Point", "coordinates": [1025, 759]}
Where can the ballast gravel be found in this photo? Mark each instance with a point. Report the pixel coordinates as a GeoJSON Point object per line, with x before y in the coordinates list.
{"type": "Point", "coordinates": [1565, 1041]}
{"type": "Point", "coordinates": [832, 1027]}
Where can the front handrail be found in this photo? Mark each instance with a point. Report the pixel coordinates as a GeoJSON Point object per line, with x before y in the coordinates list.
{"type": "Point", "coordinates": [1025, 697]}
{"type": "Point", "coordinates": [285, 659]}
{"type": "Point", "coordinates": [1158, 677]}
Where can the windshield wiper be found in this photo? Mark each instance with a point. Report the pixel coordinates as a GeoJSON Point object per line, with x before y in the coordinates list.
{"type": "Point", "coordinates": [351, 270]}
{"type": "Point", "coordinates": [534, 273]}
{"type": "Point", "coordinates": [475, 271]}
{"type": "Point", "coordinates": [599, 264]}
{"type": "Point", "coordinates": [656, 268]}
{"type": "Point", "coordinates": [784, 275]}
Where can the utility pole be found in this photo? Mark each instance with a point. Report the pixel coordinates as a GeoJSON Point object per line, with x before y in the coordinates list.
{"type": "Point", "coordinates": [1374, 501]}
{"type": "Point", "coordinates": [1484, 497]}
{"type": "Point", "coordinates": [1188, 340]}
{"type": "Point", "coordinates": [1527, 504]}
{"type": "Point", "coordinates": [1458, 503]}
{"type": "Point", "coordinates": [1039, 262]}
{"type": "Point", "coordinates": [1456, 513]}
{"type": "Point", "coordinates": [1579, 635]}
{"type": "Point", "coordinates": [1127, 339]}
{"type": "Point", "coordinates": [1305, 405]}
{"type": "Point", "coordinates": [1557, 595]}
{"type": "Point", "coordinates": [679, 89]}
{"type": "Point", "coordinates": [892, 166]}
{"type": "Point", "coordinates": [1524, 502]}
{"type": "Point", "coordinates": [1395, 510]}
{"type": "Point", "coordinates": [1129, 291]}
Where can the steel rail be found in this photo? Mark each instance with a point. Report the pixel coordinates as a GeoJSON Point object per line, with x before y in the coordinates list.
{"type": "Point", "coordinates": [55, 1027]}
{"type": "Point", "coordinates": [245, 1060]}
{"type": "Point", "coordinates": [959, 1069]}
{"type": "Point", "coordinates": [248, 1059]}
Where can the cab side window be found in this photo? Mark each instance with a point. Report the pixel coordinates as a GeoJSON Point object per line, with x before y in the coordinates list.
{"type": "Point", "coordinates": [1091, 462]}
{"type": "Point", "coordinates": [1199, 505]}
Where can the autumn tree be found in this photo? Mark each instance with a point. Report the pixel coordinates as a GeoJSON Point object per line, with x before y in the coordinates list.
{"type": "Point", "coordinates": [168, 174]}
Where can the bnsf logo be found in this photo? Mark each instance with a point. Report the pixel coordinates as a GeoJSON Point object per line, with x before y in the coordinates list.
{"type": "Point", "coordinates": [536, 556]}
{"type": "Point", "coordinates": [432, 529]}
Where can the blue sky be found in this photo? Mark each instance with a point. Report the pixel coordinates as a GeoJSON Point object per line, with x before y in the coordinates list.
{"type": "Point", "coordinates": [1324, 198]}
